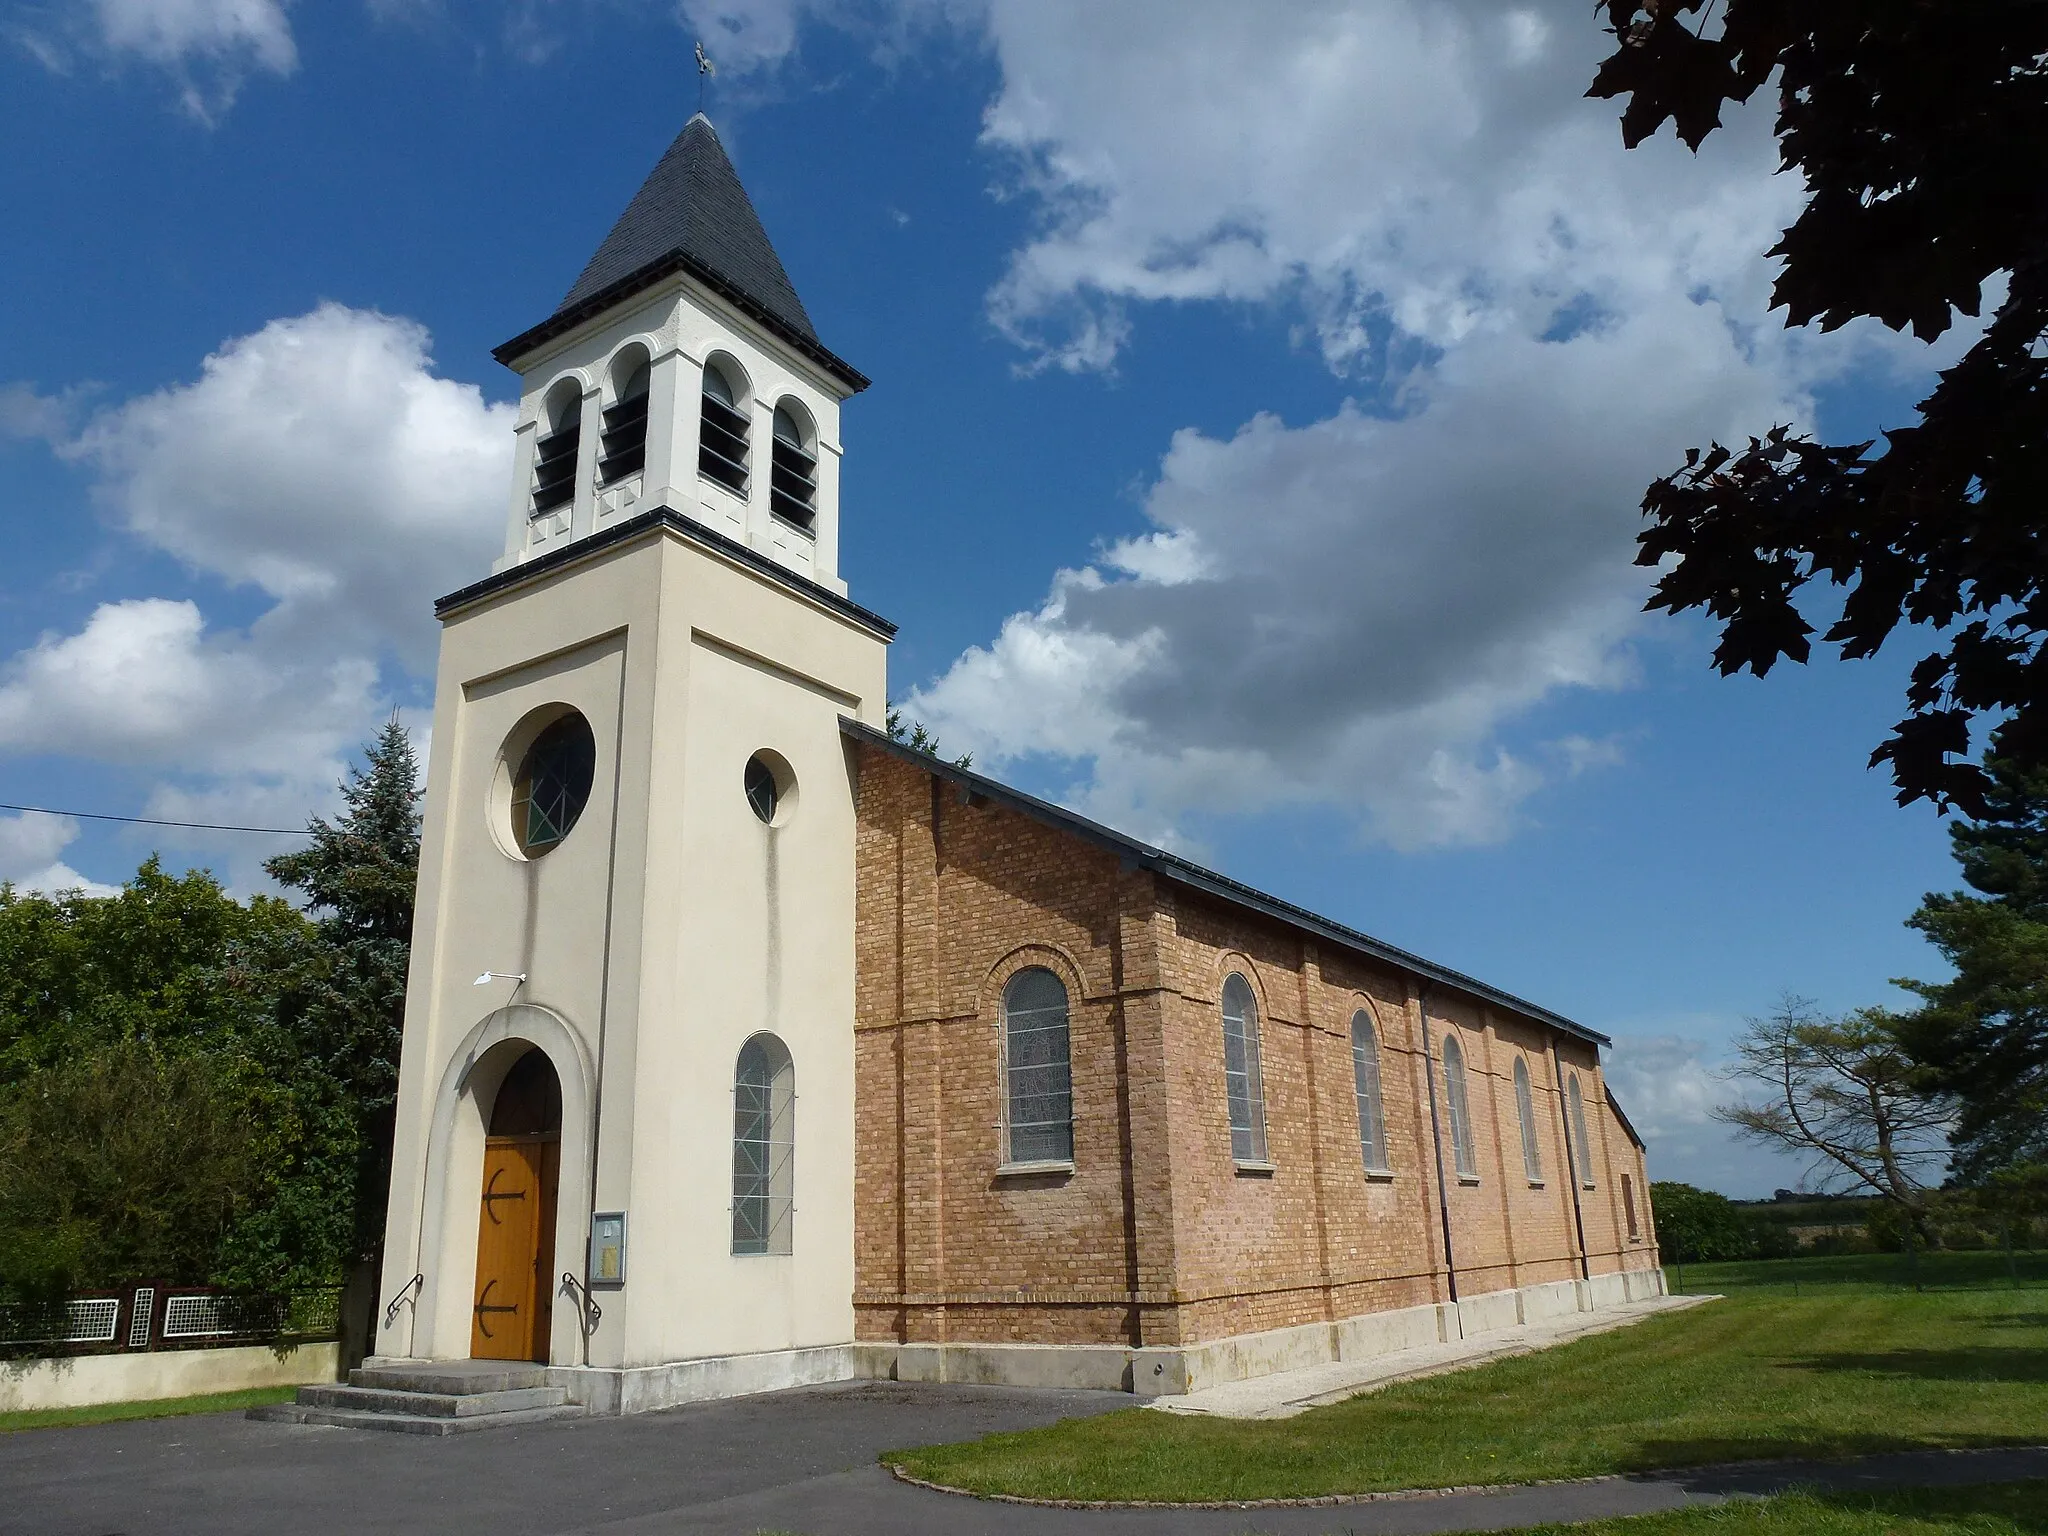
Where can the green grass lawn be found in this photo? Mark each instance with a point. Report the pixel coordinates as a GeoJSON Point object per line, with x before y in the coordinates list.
{"type": "Point", "coordinates": [1990, 1270]}
{"type": "Point", "coordinates": [159, 1408]}
{"type": "Point", "coordinates": [1763, 1374]}
{"type": "Point", "coordinates": [2000, 1509]}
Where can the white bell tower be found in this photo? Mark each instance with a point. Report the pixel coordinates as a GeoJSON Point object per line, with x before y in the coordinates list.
{"type": "Point", "coordinates": [627, 1075]}
{"type": "Point", "coordinates": [681, 371]}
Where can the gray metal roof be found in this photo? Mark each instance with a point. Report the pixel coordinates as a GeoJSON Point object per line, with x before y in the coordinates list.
{"type": "Point", "coordinates": [1172, 867]}
{"type": "Point", "coordinates": [690, 215]}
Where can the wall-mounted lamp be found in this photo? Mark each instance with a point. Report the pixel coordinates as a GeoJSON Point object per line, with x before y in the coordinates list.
{"type": "Point", "coordinates": [499, 976]}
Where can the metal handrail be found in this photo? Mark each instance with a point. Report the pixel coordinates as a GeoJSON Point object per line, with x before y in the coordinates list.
{"type": "Point", "coordinates": [410, 1293]}
{"type": "Point", "coordinates": [593, 1314]}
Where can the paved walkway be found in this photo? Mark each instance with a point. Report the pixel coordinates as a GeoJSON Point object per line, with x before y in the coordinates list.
{"type": "Point", "coordinates": [1286, 1393]}
{"type": "Point", "coordinates": [790, 1462]}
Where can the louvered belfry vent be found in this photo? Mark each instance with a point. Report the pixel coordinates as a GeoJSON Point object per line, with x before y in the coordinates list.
{"type": "Point", "coordinates": [622, 450]}
{"type": "Point", "coordinates": [793, 475]}
{"type": "Point", "coordinates": [554, 468]}
{"type": "Point", "coordinates": [722, 441]}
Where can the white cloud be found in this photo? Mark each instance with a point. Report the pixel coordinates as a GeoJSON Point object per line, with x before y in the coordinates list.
{"type": "Point", "coordinates": [1359, 611]}
{"type": "Point", "coordinates": [322, 461]}
{"type": "Point", "coordinates": [207, 47]}
{"type": "Point", "coordinates": [323, 465]}
{"type": "Point", "coordinates": [29, 846]}
{"type": "Point", "coordinates": [1666, 1083]}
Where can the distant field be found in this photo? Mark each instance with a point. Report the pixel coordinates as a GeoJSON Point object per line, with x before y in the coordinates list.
{"type": "Point", "coordinates": [1984, 1270]}
{"type": "Point", "coordinates": [1852, 1368]}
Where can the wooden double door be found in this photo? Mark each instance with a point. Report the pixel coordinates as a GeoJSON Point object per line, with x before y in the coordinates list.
{"type": "Point", "coordinates": [515, 1248]}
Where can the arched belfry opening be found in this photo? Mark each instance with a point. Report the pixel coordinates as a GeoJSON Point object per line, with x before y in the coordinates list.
{"type": "Point", "coordinates": [515, 1244]}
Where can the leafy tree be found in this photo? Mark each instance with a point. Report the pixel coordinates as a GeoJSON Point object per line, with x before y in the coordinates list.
{"type": "Point", "coordinates": [127, 1163]}
{"type": "Point", "coordinates": [1984, 1034]}
{"type": "Point", "coordinates": [348, 1010]}
{"type": "Point", "coordinates": [1921, 131]}
{"type": "Point", "coordinates": [1696, 1226]}
{"type": "Point", "coordinates": [1846, 1093]}
{"type": "Point", "coordinates": [170, 959]}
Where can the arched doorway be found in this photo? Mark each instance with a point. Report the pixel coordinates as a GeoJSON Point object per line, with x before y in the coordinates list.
{"type": "Point", "coordinates": [515, 1244]}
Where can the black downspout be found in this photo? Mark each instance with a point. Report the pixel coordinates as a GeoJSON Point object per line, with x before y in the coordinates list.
{"type": "Point", "coordinates": [1436, 1138]}
{"type": "Point", "coordinates": [1571, 1162]}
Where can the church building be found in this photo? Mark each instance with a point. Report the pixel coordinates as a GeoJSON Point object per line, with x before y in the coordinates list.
{"type": "Point", "coordinates": [747, 1047]}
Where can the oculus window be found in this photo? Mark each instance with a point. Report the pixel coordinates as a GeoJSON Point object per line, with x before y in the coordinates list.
{"type": "Point", "coordinates": [553, 784]}
{"type": "Point", "coordinates": [1241, 1080]}
{"type": "Point", "coordinates": [1365, 1083]}
{"type": "Point", "coordinates": [1462, 1153]}
{"type": "Point", "coordinates": [763, 1147]}
{"type": "Point", "coordinates": [1038, 1077]}
{"type": "Point", "coordinates": [762, 790]}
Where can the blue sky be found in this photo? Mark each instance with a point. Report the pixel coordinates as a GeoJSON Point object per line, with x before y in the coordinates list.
{"type": "Point", "coordinates": [1261, 401]}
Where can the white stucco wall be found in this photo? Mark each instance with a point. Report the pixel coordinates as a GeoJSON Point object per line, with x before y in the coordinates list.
{"type": "Point", "coordinates": [665, 929]}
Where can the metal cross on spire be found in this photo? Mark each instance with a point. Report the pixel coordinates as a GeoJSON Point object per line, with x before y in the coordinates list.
{"type": "Point", "coordinates": [705, 70]}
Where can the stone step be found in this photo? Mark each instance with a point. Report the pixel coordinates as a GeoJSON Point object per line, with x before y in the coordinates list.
{"type": "Point", "coordinates": [454, 1378]}
{"type": "Point", "coordinates": [409, 1423]}
{"type": "Point", "coordinates": [439, 1405]}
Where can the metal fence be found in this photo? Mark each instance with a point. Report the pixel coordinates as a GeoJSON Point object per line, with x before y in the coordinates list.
{"type": "Point", "coordinates": [155, 1316]}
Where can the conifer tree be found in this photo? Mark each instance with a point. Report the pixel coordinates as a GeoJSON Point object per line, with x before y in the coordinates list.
{"type": "Point", "coordinates": [358, 878]}
{"type": "Point", "coordinates": [1984, 1034]}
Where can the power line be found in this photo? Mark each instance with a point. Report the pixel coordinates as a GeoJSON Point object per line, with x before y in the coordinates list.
{"type": "Point", "coordinates": [156, 821]}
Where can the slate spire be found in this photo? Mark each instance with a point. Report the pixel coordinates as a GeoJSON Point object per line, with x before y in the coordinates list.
{"type": "Point", "coordinates": [691, 215]}
{"type": "Point", "coordinates": [693, 203]}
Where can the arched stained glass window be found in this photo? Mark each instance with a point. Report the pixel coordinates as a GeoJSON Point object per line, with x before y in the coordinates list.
{"type": "Point", "coordinates": [1365, 1082]}
{"type": "Point", "coordinates": [763, 1147]}
{"type": "Point", "coordinates": [553, 784]}
{"type": "Point", "coordinates": [1241, 1080]}
{"type": "Point", "coordinates": [1525, 1110]}
{"type": "Point", "coordinates": [1038, 1081]}
{"type": "Point", "coordinates": [1582, 1146]}
{"type": "Point", "coordinates": [1462, 1153]}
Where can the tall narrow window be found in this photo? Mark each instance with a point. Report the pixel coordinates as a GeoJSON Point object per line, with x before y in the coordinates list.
{"type": "Point", "coordinates": [1241, 1079]}
{"type": "Point", "coordinates": [1628, 1208]}
{"type": "Point", "coordinates": [554, 456]}
{"type": "Point", "coordinates": [793, 475]}
{"type": "Point", "coordinates": [1365, 1082]}
{"type": "Point", "coordinates": [1582, 1147]}
{"type": "Point", "coordinates": [763, 1147]}
{"type": "Point", "coordinates": [622, 451]}
{"type": "Point", "coordinates": [1461, 1111]}
{"type": "Point", "coordinates": [1038, 1079]}
{"type": "Point", "coordinates": [1525, 1111]}
{"type": "Point", "coordinates": [722, 434]}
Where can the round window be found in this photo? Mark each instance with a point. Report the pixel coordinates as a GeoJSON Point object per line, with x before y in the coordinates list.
{"type": "Point", "coordinates": [762, 790]}
{"type": "Point", "coordinates": [553, 784]}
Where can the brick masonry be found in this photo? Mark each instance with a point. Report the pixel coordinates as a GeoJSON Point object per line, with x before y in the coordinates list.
{"type": "Point", "coordinates": [1156, 1236]}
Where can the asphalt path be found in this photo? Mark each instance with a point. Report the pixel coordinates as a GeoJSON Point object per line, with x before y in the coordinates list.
{"type": "Point", "coordinates": [801, 1461]}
